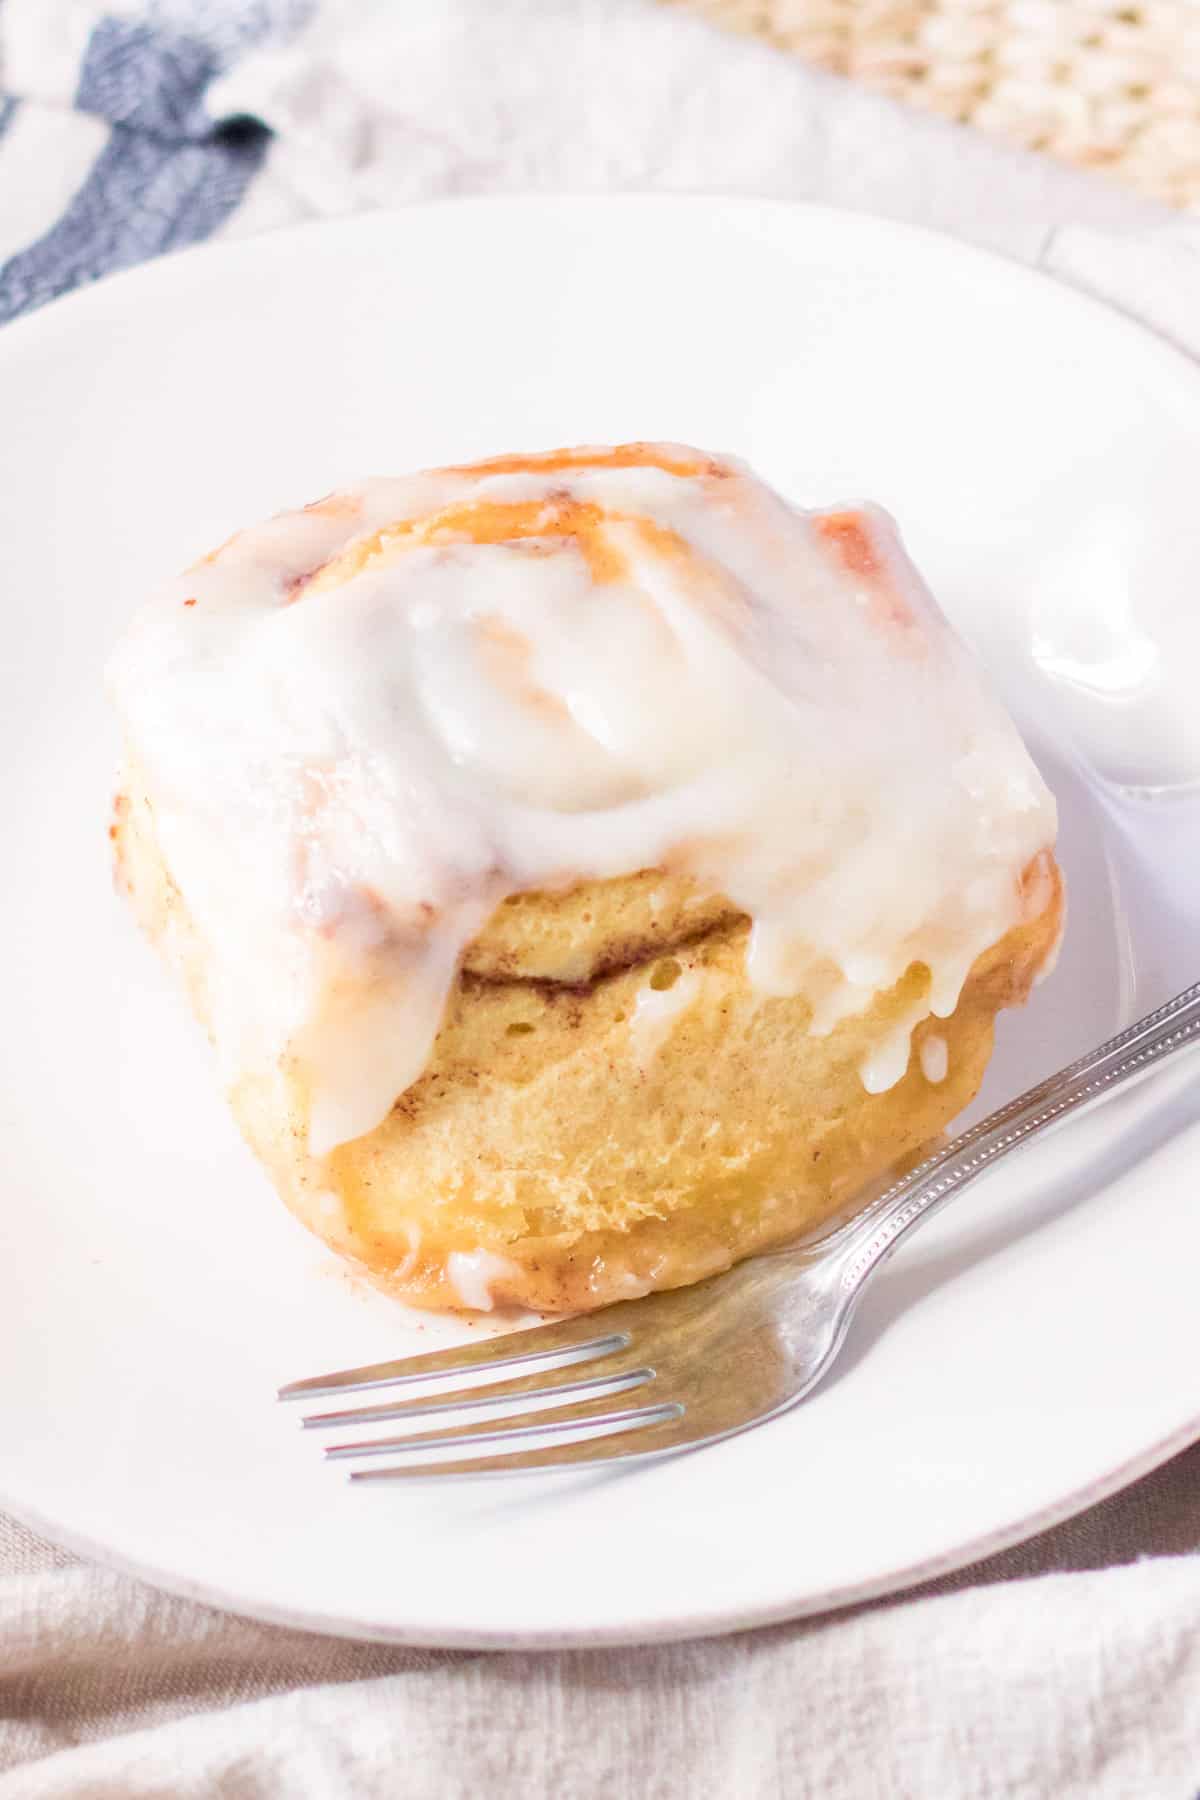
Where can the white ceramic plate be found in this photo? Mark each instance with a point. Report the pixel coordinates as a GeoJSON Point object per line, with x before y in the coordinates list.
{"type": "Point", "coordinates": [1028, 1353]}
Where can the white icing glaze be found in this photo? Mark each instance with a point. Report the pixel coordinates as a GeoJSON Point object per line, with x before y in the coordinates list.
{"type": "Point", "coordinates": [471, 1274]}
{"type": "Point", "coordinates": [935, 1057]}
{"type": "Point", "coordinates": [346, 780]}
{"type": "Point", "coordinates": [654, 1014]}
{"type": "Point", "coordinates": [887, 1061]}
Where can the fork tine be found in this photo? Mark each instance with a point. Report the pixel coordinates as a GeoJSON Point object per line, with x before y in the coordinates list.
{"type": "Point", "coordinates": [534, 1344]}
{"type": "Point", "coordinates": [542, 1385]}
{"type": "Point", "coordinates": [553, 1422]}
{"type": "Point", "coordinates": [639, 1443]}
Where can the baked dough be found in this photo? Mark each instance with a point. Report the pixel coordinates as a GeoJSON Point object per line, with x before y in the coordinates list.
{"type": "Point", "coordinates": [614, 1099]}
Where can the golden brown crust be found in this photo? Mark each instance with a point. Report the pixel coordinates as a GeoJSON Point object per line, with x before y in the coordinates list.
{"type": "Point", "coordinates": [592, 1135]}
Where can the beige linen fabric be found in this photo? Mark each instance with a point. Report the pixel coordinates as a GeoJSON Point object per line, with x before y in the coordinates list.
{"type": "Point", "coordinates": [1069, 1668]}
{"type": "Point", "coordinates": [1073, 1686]}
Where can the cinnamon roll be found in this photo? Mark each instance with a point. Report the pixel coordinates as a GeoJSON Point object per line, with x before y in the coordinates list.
{"type": "Point", "coordinates": [590, 868]}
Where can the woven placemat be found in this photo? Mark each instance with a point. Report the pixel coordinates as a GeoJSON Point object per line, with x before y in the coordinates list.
{"type": "Point", "coordinates": [1106, 85]}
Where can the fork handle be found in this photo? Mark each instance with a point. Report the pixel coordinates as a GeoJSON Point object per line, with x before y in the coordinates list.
{"type": "Point", "coordinates": [869, 1239]}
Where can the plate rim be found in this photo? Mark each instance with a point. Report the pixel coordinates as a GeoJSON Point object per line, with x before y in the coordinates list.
{"type": "Point", "coordinates": [172, 265]}
{"type": "Point", "coordinates": [672, 1629]}
{"type": "Point", "coordinates": [174, 271]}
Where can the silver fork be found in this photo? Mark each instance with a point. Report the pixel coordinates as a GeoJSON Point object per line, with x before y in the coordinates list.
{"type": "Point", "coordinates": [688, 1367]}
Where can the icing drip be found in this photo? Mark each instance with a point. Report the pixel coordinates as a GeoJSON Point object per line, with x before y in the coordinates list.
{"type": "Point", "coordinates": [362, 725]}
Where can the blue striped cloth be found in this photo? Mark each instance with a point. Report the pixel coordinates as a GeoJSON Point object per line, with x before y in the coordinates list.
{"type": "Point", "coordinates": [108, 151]}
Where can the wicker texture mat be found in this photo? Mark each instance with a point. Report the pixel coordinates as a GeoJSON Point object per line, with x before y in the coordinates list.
{"type": "Point", "coordinates": [1106, 85]}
